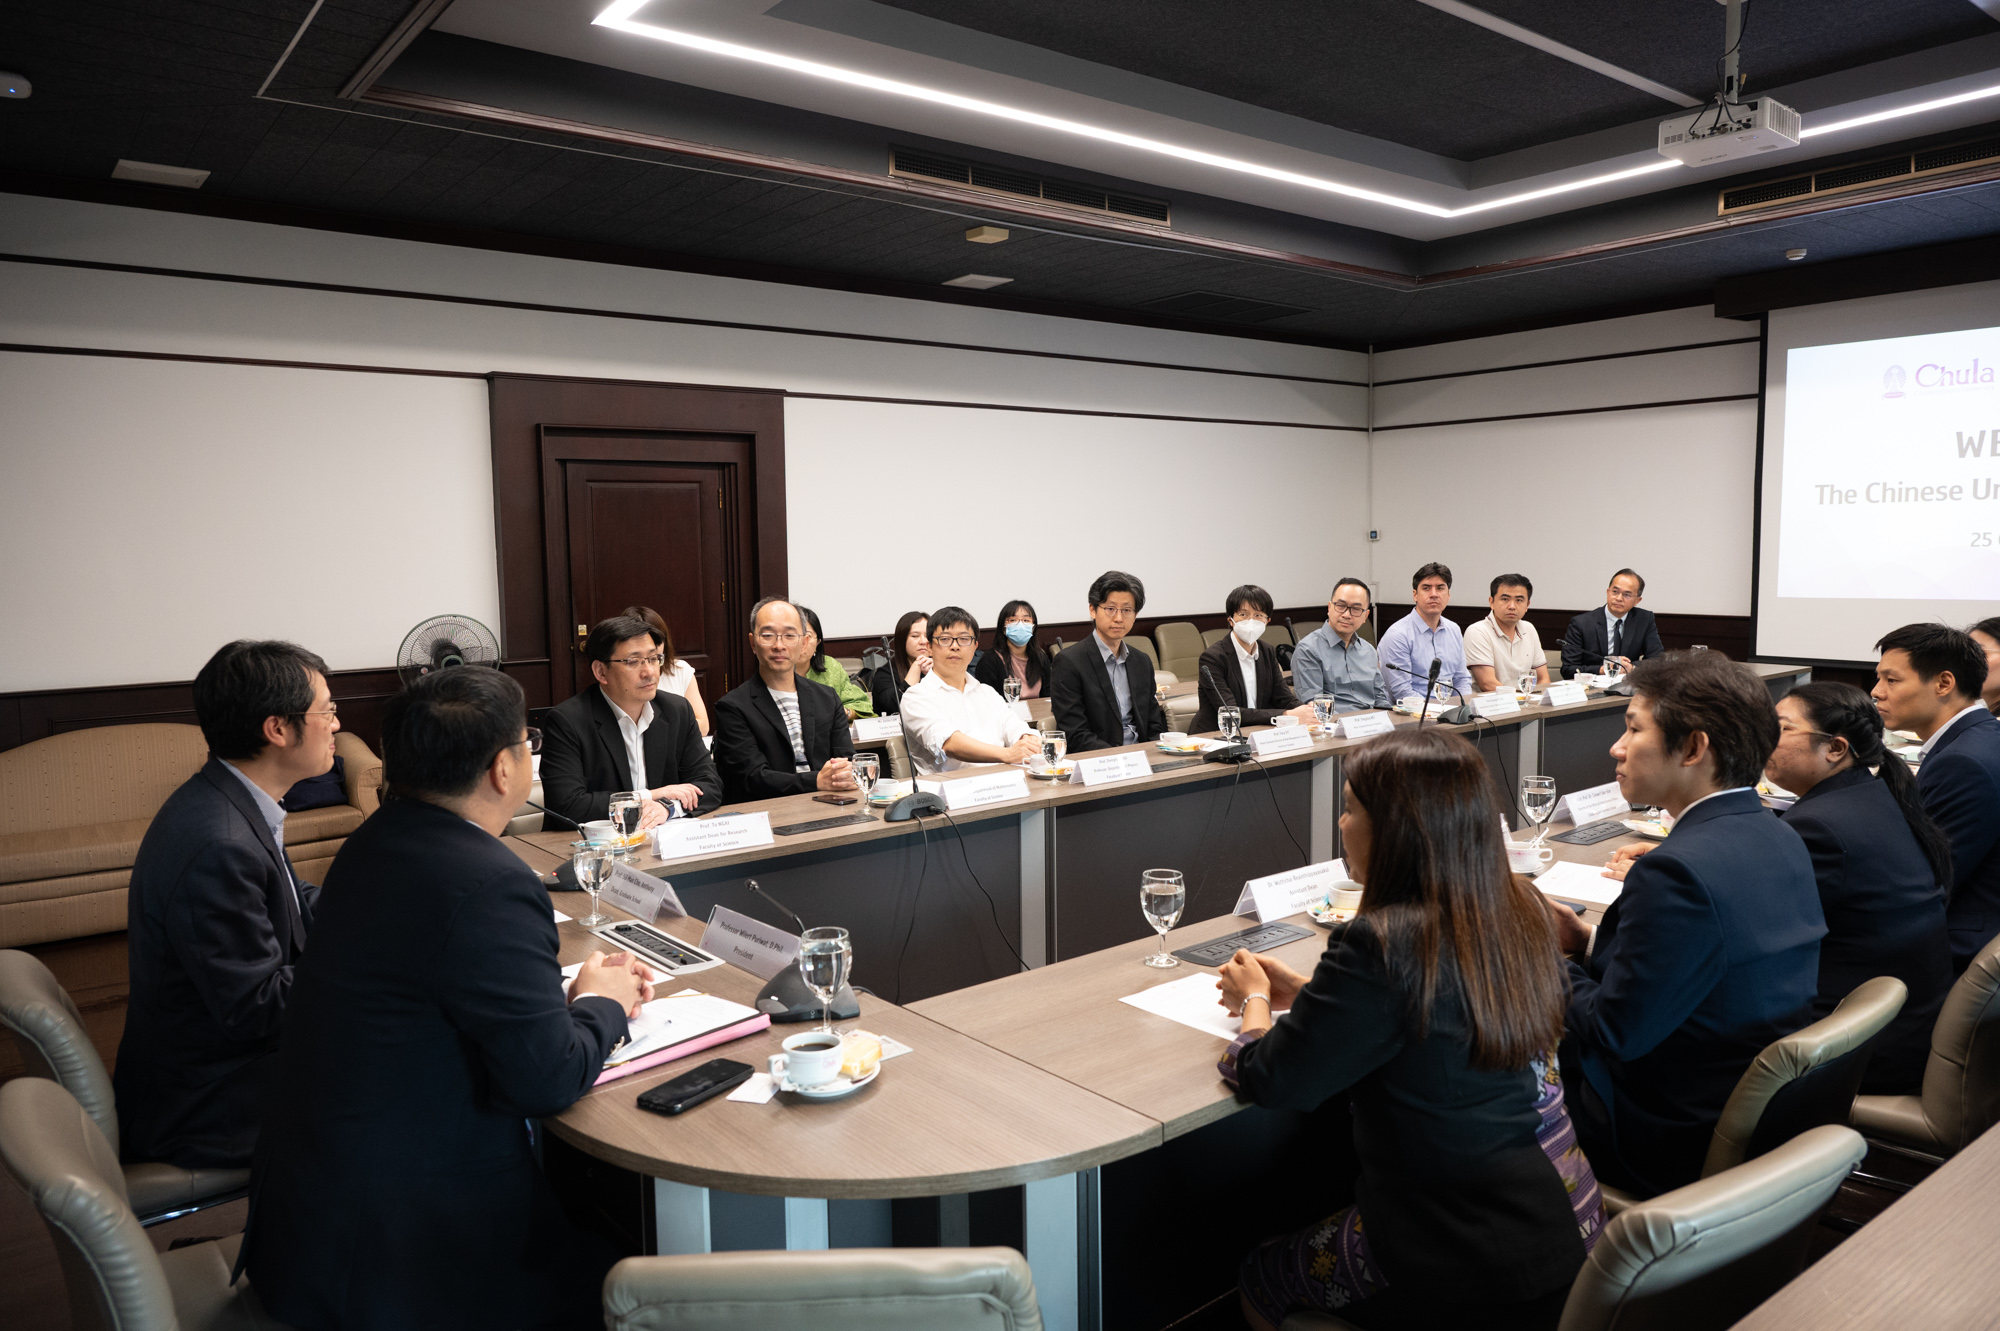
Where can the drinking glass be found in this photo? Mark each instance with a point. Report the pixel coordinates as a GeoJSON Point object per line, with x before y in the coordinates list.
{"type": "Point", "coordinates": [1162, 894]}
{"type": "Point", "coordinates": [1538, 801]}
{"type": "Point", "coordinates": [1055, 744]}
{"type": "Point", "coordinates": [589, 863]}
{"type": "Point", "coordinates": [1323, 710]}
{"type": "Point", "coordinates": [1229, 720]}
{"type": "Point", "coordinates": [1011, 686]}
{"type": "Point", "coordinates": [824, 958]}
{"type": "Point", "coordinates": [627, 808]}
{"type": "Point", "coordinates": [1525, 686]}
{"type": "Point", "coordinates": [1611, 669]}
{"type": "Point", "coordinates": [867, 769]}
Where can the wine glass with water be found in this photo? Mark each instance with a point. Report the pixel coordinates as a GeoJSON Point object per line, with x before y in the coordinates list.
{"type": "Point", "coordinates": [628, 807]}
{"type": "Point", "coordinates": [1011, 687]}
{"type": "Point", "coordinates": [1538, 801]}
{"type": "Point", "coordinates": [867, 770]}
{"type": "Point", "coordinates": [824, 957]}
{"type": "Point", "coordinates": [589, 863]}
{"type": "Point", "coordinates": [1323, 710]}
{"type": "Point", "coordinates": [1055, 745]}
{"type": "Point", "coordinates": [1162, 895]}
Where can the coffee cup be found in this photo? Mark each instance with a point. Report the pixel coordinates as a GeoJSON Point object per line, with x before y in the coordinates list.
{"type": "Point", "coordinates": [1174, 739]}
{"type": "Point", "coordinates": [600, 833]}
{"type": "Point", "coordinates": [811, 1058]}
{"type": "Point", "coordinates": [1527, 859]}
{"type": "Point", "coordinates": [1285, 720]}
{"type": "Point", "coordinates": [1345, 898]}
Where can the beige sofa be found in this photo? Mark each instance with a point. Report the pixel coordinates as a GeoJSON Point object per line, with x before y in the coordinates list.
{"type": "Point", "coordinates": [73, 808]}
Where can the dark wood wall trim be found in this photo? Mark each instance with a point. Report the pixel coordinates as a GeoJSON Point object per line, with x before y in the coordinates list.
{"type": "Point", "coordinates": [641, 316]}
{"type": "Point", "coordinates": [1568, 360]}
{"type": "Point", "coordinates": [1073, 411]}
{"type": "Point", "coordinates": [1570, 411]}
{"type": "Point", "coordinates": [524, 406]}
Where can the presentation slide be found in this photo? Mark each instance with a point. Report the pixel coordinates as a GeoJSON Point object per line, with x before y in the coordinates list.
{"type": "Point", "coordinates": [1881, 471]}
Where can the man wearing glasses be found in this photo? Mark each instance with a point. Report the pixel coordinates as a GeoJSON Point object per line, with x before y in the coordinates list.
{"type": "Point", "coordinates": [778, 733]}
{"type": "Point", "coordinates": [1621, 631]}
{"type": "Point", "coordinates": [217, 917]}
{"type": "Point", "coordinates": [1102, 690]}
{"type": "Point", "coordinates": [1235, 672]}
{"type": "Point", "coordinates": [954, 720]}
{"type": "Point", "coordinates": [1335, 660]}
{"type": "Point", "coordinates": [625, 733]}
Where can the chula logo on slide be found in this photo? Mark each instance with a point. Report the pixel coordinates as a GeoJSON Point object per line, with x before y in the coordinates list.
{"type": "Point", "coordinates": [1892, 381]}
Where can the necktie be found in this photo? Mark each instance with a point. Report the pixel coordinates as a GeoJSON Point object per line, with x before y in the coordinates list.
{"type": "Point", "coordinates": [1617, 632]}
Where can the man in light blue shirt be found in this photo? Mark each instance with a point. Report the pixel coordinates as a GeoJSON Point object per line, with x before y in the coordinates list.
{"type": "Point", "coordinates": [1335, 660]}
{"type": "Point", "coordinates": [1425, 635]}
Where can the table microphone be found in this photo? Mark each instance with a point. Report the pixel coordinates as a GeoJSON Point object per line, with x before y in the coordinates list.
{"type": "Point", "coordinates": [1430, 687]}
{"type": "Point", "coordinates": [786, 996]}
{"type": "Point", "coordinates": [1236, 750]}
{"type": "Point", "coordinates": [553, 814]}
{"type": "Point", "coordinates": [918, 803]}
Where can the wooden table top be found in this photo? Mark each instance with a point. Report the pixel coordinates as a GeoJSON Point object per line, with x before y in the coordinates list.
{"type": "Point", "coordinates": [1066, 1018]}
{"type": "Point", "coordinates": [954, 1115]}
{"type": "Point", "coordinates": [1926, 1262]}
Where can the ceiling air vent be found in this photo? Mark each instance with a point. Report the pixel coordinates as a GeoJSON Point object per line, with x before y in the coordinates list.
{"type": "Point", "coordinates": [917, 164]}
{"type": "Point", "coordinates": [1910, 166]}
{"type": "Point", "coordinates": [1215, 305]}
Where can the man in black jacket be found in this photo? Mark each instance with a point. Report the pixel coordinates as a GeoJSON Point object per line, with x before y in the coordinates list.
{"type": "Point", "coordinates": [395, 1183]}
{"type": "Point", "coordinates": [1235, 672]}
{"type": "Point", "coordinates": [217, 917]}
{"type": "Point", "coordinates": [1621, 630]}
{"type": "Point", "coordinates": [625, 733]}
{"type": "Point", "coordinates": [1102, 690]}
{"type": "Point", "coordinates": [779, 733]}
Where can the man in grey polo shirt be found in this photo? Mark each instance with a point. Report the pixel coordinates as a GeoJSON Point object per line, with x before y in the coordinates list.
{"type": "Point", "coordinates": [1503, 648]}
{"type": "Point", "coordinates": [1336, 660]}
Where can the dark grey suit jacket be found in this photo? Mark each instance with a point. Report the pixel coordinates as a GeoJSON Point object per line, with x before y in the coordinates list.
{"type": "Point", "coordinates": [215, 931]}
{"type": "Point", "coordinates": [1086, 706]}
{"type": "Point", "coordinates": [1587, 642]}
{"type": "Point", "coordinates": [584, 763]}
{"type": "Point", "coordinates": [754, 751]}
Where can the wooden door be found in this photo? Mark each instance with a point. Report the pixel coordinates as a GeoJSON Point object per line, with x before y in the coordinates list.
{"type": "Point", "coordinates": [655, 534]}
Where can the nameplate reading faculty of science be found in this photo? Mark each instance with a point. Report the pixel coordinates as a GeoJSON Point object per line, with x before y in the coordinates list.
{"type": "Point", "coordinates": [869, 728]}
{"type": "Point", "coordinates": [640, 894]}
{"type": "Point", "coordinates": [1360, 725]}
{"type": "Point", "coordinates": [757, 947]}
{"type": "Point", "coordinates": [1279, 739]}
{"type": "Point", "coordinates": [973, 792]}
{"type": "Point", "coordinates": [1288, 893]}
{"type": "Point", "coordinates": [1564, 693]}
{"type": "Point", "coordinates": [1112, 767]}
{"type": "Point", "coordinates": [681, 837]}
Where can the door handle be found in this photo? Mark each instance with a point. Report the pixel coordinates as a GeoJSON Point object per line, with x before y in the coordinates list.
{"type": "Point", "coordinates": [582, 632]}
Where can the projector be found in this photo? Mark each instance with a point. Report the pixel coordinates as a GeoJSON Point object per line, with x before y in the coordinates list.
{"type": "Point", "coordinates": [1737, 130]}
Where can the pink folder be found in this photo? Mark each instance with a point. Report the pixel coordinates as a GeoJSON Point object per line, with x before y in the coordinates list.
{"type": "Point", "coordinates": [748, 1026]}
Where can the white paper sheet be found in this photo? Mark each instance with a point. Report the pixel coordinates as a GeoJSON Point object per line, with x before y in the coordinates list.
{"type": "Point", "coordinates": [1192, 1000]}
{"type": "Point", "coordinates": [1579, 882]}
{"type": "Point", "coordinates": [668, 1021]}
{"type": "Point", "coordinates": [757, 1091]}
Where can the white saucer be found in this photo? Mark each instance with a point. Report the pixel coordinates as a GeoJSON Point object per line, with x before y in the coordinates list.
{"type": "Point", "coordinates": [832, 1090]}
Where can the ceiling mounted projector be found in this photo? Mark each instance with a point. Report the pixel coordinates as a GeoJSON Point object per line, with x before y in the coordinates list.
{"type": "Point", "coordinates": [1729, 131]}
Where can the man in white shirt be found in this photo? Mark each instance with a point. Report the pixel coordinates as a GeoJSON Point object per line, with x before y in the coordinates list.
{"type": "Point", "coordinates": [951, 719]}
{"type": "Point", "coordinates": [1503, 647]}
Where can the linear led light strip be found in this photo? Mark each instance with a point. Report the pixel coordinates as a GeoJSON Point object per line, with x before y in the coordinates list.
{"type": "Point", "coordinates": [619, 18]}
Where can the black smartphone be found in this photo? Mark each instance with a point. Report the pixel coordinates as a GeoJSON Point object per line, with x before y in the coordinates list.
{"type": "Point", "coordinates": [835, 799]}
{"type": "Point", "coordinates": [691, 1088]}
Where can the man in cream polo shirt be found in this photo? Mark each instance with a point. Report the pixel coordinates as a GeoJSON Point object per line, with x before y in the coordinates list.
{"type": "Point", "coordinates": [1504, 646]}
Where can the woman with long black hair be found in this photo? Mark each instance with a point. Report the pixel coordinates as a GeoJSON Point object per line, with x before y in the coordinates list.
{"type": "Point", "coordinates": [1437, 1009]}
{"type": "Point", "coordinates": [1882, 866]}
{"type": "Point", "coordinates": [1015, 652]}
{"type": "Point", "coordinates": [909, 662]}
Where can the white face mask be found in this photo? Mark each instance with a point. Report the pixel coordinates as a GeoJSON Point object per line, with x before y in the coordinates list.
{"type": "Point", "coordinates": [1248, 630]}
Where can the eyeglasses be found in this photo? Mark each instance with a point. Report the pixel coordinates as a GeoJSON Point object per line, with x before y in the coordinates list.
{"type": "Point", "coordinates": [1791, 729]}
{"type": "Point", "coordinates": [1344, 608]}
{"type": "Point", "coordinates": [634, 662]}
{"type": "Point", "coordinates": [1117, 612]}
{"type": "Point", "coordinates": [534, 740]}
{"type": "Point", "coordinates": [332, 709]}
{"type": "Point", "coordinates": [1618, 595]}
{"type": "Point", "coordinates": [1242, 615]}
{"type": "Point", "coordinates": [770, 636]}
{"type": "Point", "coordinates": [953, 640]}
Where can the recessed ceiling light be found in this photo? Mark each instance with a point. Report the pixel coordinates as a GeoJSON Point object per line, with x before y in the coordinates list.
{"type": "Point", "coordinates": [1795, 255]}
{"type": "Point", "coordinates": [619, 18]}
{"type": "Point", "coordinates": [1898, 113]}
{"type": "Point", "coordinates": [978, 282]}
{"type": "Point", "coordinates": [987, 235]}
{"type": "Point", "coordinates": [152, 173]}
{"type": "Point", "coordinates": [13, 85]}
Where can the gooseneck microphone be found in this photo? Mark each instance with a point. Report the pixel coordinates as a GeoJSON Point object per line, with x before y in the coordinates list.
{"type": "Point", "coordinates": [918, 803]}
{"type": "Point", "coordinates": [1236, 750]}
{"type": "Point", "coordinates": [751, 883]}
{"type": "Point", "coordinates": [1430, 687]}
{"type": "Point", "coordinates": [553, 814]}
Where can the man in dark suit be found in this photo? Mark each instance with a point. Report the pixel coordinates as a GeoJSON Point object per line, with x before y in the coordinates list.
{"type": "Point", "coordinates": [778, 733]}
{"type": "Point", "coordinates": [626, 733]}
{"type": "Point", "coordinates": [1101, 690]}
{"type": "Point", "coordinates": [1711, 951]}
{"type": "Point", "coordinates": [1621, 630]}
{"type": "Point", "coordinates": [1235, 672]}
{"type": "Point", "coordinates": [1929, 681]}
{"type": "Point", "coordinates": [395, 1183]}
{"type": "Point", "coordinates": [217, 917]}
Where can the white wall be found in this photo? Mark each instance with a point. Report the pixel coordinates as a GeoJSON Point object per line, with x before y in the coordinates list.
{"type": "Point", "coordinates": [1568, 499]}
{"type": "Point", "coordinates": [125, 479]}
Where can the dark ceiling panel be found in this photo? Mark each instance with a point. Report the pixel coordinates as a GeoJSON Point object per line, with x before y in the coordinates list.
{"type": "Point", "coordinates": [1390, 69]}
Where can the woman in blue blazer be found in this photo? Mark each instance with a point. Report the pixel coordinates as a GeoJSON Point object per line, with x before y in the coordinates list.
{"type": "Point", "coordinates": [1882, 865]}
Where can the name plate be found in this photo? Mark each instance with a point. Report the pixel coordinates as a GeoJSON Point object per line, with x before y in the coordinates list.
{"type": "Point", "coordinates": [1019, 707]}
{"type": "Point", "coordinates": [1489, 705]}
{"type": "Point", "coordinates": [757, 947]}
{"type": "Point", "coordinates": [1360, 725]}
{"type": "Point", "coordinates": [870, 728]}
{"type": "Point", "coordinates": [640, 894]}
{"type": "Point", "coordinates": [974, 792]}
{"type": "Point", "coordinates": [1279, 739]}
{"type": "Point", "coordinates": [1563, 693]}
{"type": "Point", "coordinates": [1112, 767]}
{"type": "Point", "coordinates": [682, 837]}
{"type": "Point", "coordinates": [1593, 805]}
{"type": "Point", "coordinates": [1288, 893]}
